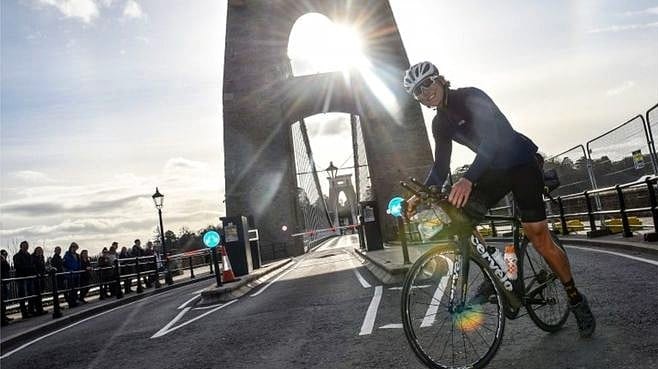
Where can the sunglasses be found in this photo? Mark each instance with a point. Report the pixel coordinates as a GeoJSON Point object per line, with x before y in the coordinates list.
{"type": "Point", "coordinates": [425, 84]}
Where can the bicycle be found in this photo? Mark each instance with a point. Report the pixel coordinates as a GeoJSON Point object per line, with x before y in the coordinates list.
{"type": "Point", "coordinates": [445, 325]}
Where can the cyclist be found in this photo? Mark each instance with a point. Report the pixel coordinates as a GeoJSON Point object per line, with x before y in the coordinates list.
{"type": "Point", "coordinates": [505, 161]}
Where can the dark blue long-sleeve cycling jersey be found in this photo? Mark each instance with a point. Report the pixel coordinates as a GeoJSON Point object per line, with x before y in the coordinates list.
{"type": "Point", "coordinates": [473, 120]}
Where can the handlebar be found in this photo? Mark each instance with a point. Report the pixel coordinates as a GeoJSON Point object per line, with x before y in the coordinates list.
{"type": "Point", "coordinates": [422, 191]}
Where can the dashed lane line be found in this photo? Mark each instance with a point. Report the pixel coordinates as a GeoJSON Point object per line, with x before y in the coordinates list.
{"type": "Point", "coordinates": [637, 258]}
{"type": "Point", "coordinates": [371, 314]}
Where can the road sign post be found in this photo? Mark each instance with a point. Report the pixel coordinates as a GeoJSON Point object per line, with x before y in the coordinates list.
{"type": "Point", "coordinates": [211, 239]}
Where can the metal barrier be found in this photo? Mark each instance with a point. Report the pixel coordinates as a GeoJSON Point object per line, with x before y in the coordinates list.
{"type": "Point", "coordinates": [621, 155]}
{"type": "Point", "coordinates": [616, 200]}
{"type": "Point", "coordinates": [31, 293]}
{"type": "Point", "coordinates": [573, 169]}
{"type": "Point", "coordinates": [651, 117]}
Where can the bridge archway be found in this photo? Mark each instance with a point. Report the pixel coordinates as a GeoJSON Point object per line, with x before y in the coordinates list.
{"type": "Point", "coordinates": [262, 99]}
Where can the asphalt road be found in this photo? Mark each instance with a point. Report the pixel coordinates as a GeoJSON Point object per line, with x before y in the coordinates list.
{"type": "Point", "coordinates": [324, 312]}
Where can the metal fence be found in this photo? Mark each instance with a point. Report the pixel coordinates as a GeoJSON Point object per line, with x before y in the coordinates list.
{"type": "Point", "coordinates": [30, 293]}
{"type": "Point", "coordinates": [622, 154]}
{"type": "Point", "coordinates": [572, 169]}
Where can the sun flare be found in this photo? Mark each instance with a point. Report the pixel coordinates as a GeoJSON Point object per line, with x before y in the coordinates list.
{"type": "Point", "coordinates": [318, 45]}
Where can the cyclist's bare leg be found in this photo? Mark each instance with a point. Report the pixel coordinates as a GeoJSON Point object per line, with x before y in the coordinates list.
{"type": "Point", "coordinates": [540, 237]}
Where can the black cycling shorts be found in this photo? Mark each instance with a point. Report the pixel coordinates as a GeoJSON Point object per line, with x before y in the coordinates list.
{"type": "Point", "coordinates": [526, 182]}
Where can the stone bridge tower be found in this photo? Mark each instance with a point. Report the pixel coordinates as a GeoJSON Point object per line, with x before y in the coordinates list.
{"type": "Point", "coordinates": [262, 99]}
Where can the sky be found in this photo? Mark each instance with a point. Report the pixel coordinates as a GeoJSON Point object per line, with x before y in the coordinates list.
{"type": "Point", "coordinates": [103, 100]}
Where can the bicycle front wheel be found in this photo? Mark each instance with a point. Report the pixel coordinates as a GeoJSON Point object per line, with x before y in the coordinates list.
{"type": "Point", "coordinates": [444, 329]}
{"type": "Point", "coordinates": [546, 301]}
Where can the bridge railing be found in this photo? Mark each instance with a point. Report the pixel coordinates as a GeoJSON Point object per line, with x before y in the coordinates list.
{"type": "Point", "coordinates": [32, 293]}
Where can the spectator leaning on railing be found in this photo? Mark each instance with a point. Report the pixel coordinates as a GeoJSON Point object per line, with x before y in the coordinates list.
{"type": "Point", "coordinates": [25, 268]}
{"type": "Point", "coordinates": [72, 264]}
{"type": "Point", "coordinates": [85, 276]}
{"type": "Point", "coordinates": [39, 264]}
{"type": "Point", "coordinates": [4, 274]}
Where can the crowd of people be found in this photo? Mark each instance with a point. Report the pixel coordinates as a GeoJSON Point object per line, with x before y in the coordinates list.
{"type": "Point", "coordinates": [76, 283]}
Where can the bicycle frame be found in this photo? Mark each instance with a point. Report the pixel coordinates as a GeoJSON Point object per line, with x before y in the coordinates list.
{"type": "Point", "coordinates": [473, 247]}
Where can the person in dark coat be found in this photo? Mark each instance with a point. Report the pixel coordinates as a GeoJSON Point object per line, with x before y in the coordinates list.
{"type": "Point", "coordinates": [71, 263]}
{"type": "Point", "coordinates": [25, 268]}
{"type": "Point", "coordinates": [126, 268]}
{"type": "Point", "coordinates": [85, 276]}
{"type": "Point", "coordinates": [39, 263]}
{"type": "Point", "coordinates": [4, 274]}
{"type": "Point", "coordinates": [104, 274]}
{"type": "Point", "coordinates": [56, 262]}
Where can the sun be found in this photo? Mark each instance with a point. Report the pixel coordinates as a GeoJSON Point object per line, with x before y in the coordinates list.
{"type": "Point", "coordinates": [318, 45]}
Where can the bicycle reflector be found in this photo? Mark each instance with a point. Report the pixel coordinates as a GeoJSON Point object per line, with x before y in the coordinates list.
{"type": "Point", "coordinates": [395, 207]}
{"type": "Point", "coordinates": [211, 239]}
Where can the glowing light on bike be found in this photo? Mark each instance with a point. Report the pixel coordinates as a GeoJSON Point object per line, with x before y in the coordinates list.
{"type": "Point", "coordinates": [469, 319]}
{"type": "Point", "coordinates": [395, 207]}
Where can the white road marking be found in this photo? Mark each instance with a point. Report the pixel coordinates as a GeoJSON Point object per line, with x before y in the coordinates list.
{"type": "Point", "coordinates": [648, 261]}
{"type": "Point", "coordinates": [188, 301]}
{"type": "Point", "coordinates": [166, 330]}
{"type": "Point", "coordinates": [65, 328]}
{"type": "Point", "coordinates": [362, 280]}
{"type": "Point", "coordinates": [291, 268]}
{"type": "Point", "coordinates": [412, 287]}
{"type": "Point", "coordinates": [206, 307]}
{"type": "Point", "coordinates": [392, 326]}
{"type": "Point", "coordinates": [430, 315]}
{"type": "Point", "coordinates": [371, 314]}
{"type": "Point", "coordinates": [197, 292]}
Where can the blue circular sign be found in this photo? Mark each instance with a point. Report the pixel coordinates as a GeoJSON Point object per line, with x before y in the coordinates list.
{"type": "Point", "coordinates": [395, 207]}
{"type": "Point", "coordinates": [211, 239]}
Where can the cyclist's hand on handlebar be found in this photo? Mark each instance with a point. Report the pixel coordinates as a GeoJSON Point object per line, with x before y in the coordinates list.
{"type": "Point", "coordinates": [412, 203]}
{"type": "Point", "coordinates": [460, 192]}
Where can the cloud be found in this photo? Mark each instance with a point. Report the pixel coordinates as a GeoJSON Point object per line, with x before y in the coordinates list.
{"type": "Point", "coordinates": [85, 10]}
{"type": "Point", "coordinates": [30, 176]}
{"type": "Point", "coordinates": [625, 27]}
{"type": "Point", "coordinates": [133, 10]}
{"type": "Point", "coordinates": [620, 89]}
{"type": "Point", "coordinates": [649, 11]}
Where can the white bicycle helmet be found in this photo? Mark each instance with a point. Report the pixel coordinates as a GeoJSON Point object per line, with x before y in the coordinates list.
{"type": "Point", "coordinates": [417, 73]}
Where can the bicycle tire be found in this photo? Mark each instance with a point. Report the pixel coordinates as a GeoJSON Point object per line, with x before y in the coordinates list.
{"type": "Point", "coordinates": [553, 318]}
{"type": "Point", "coordinates": [414, 328]}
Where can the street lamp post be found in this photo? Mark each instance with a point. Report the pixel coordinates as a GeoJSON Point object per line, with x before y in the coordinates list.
{"type": "Point", "coordinates": [158, 199]}
{"type": "Point", "coordinates": [333, 171]}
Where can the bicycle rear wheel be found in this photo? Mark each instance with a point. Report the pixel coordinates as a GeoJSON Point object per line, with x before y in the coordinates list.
{"type": "Point", "coordinates": [444, 331]}
{"type": "Point", "coordinates": [546, 301]}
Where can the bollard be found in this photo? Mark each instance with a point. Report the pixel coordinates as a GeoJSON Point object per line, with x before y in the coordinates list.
{"type": "Point", "coordinates": [403, 236]}
{"type": "Point", "coordinates": [654, 204]}
{"type": "Point", "coordinates": [3, 297]}
{"type": "Point", "coordinates": [622, 210]}
{"type": "Point", "coordinates": [37, 287]}
{"type": "Point", "coordinates": [563, 220]}
{"type": "Point", "coordinates": [210, 262]}
{"type": "Point", "coordinates": [590, 216]}
{"type": "Point", "coordinates": [57, 312]}
{"type": "Point", "coordinates": [117, 279]}
{"type": "Point", "coordinates": [191, 269]}
{"type": "Point", "coordinates": [218, 273]}
{"type": "Point", "coordinates": [140, 289]}
{"type": "Point", "coordinates": [156, 272]}
{"type": "Point", "coordinates": [168, 277]}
